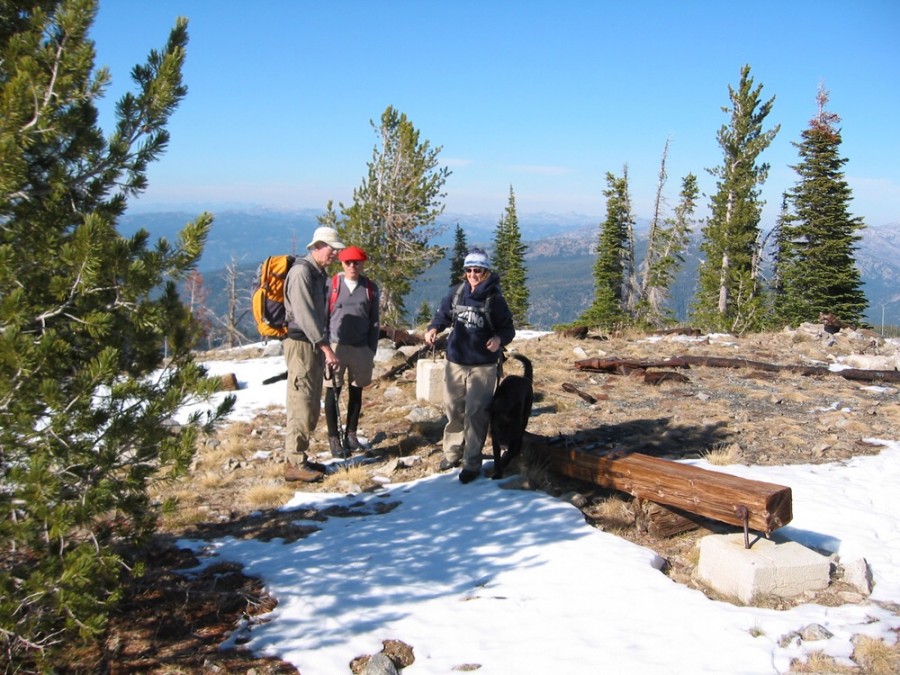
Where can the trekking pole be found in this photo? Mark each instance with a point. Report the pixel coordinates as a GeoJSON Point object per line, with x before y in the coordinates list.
{"type": "Point", "coordinates": [329, 374]}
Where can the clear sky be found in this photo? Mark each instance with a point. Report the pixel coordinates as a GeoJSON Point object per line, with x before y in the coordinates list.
{"type": "Point", "coordinates": [543, 97]}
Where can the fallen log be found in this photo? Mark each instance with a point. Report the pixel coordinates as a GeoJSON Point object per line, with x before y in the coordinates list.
{"type": "Point", "coordinates": [710, 494]}
{"type": "Point", "coordinates": [627, 366]}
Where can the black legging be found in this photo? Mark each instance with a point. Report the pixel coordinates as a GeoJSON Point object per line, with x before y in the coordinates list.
{"type": "Point", "coordinates": [354, 406]}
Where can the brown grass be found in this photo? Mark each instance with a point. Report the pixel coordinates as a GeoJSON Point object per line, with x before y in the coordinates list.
{"type": "Point", "coordinates": [876, 657]}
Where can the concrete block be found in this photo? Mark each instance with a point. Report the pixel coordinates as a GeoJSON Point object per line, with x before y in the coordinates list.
{"type": "Point", "coordinates": [430, 381]}
{"type": "Point", "coordinates": [783, 569]}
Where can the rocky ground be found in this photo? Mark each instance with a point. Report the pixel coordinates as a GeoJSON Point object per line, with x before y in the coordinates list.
{"type": "Point", "coordinates": [745, 414]}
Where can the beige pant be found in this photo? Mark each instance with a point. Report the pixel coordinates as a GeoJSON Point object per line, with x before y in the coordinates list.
{"type": "Point", "coordinates": [468, 391]}
{"type": "Point", "coordinates": [306, 368]}
{"type": "Point", "coordinates": [359, 361]}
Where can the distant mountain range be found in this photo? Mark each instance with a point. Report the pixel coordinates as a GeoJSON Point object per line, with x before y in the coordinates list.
{"type": "Point", "coordinates": [559, 258]}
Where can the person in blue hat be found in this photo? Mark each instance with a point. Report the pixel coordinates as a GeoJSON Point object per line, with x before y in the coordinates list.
{"type": "Point", "coordinates": [481, 326]}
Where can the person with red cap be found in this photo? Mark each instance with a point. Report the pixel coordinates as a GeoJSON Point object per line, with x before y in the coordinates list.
{"type": "Point", "coordinates": [353, 324]}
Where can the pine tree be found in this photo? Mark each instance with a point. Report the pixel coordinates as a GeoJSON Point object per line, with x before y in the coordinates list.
{"type": "Point", "coordinates": [457, 262]}
{"type": "Point", "coordinates": [665, 249]}
{"type": "Point", "coordinates": [615, 254]}
{"type": "Point", "coordinates": [424, 315]}
{"type": "Point", "coordinates": [817, 268]}
{"type": "Point", "coordinates": [394, 212]}
{"type": "Point", "coordinates": [86, 316]}
{"type": "Point", "coordinates": [729, 290]}
{"type": "Point", "coordinates": [509, 261]}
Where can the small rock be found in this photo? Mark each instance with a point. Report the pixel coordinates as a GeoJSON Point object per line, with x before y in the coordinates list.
{"type": "Point", "coordinates": [858, 576]}
{"type": "Point", "coordinates": [380, 664]}
{"type": "Point", "coordinates": [814, 632]}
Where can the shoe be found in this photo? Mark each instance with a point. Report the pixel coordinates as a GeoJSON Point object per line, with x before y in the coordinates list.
{"type": "Point", "coordinates": [302, 473]}
{"type": "Point", "coordinates": [467, 476]}
{"type": "Point", "coordinates": [338, 452]}
{"type": "Point", "coordinates": [351, 442]}
{"type": "Point", "coordinates": [446, 464]}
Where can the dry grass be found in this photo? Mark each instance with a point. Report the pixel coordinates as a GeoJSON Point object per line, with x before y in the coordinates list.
{"type": "Point", "coordinates": [615, 514]}
{"type": "Point", "coordinates": [723, 454]}
{"type": "Point", "coordinates": [268, 495]}
{"type": "Point", "coordinates": [347, 475]}
{"type": "Point", "coordinates": [817, 662]}
{"type": "Point", "coordinates": [876, 657]}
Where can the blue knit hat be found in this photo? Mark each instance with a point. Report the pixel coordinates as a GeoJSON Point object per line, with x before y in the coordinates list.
{"type": "Point", "coordinates": [477, 258]}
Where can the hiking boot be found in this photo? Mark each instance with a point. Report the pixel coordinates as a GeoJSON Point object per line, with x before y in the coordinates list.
{"type": "Point", "coordinates": [351, 442]}
{"type": "Point", "coordinates": [467, 476]}
{"type": "Point", "coordinates": [304, 473]}
{"type": "Point", "coordinates": [447, 464]}
{"type": "Point", "coordinates": [334, 444]}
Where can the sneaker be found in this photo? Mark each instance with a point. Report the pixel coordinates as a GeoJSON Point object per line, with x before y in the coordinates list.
{"type": "Point", "coordinates": [304, 474]}
{"type": "Point", "coordinates": [447, 464]}
{"type": "Point", "coordinates": [467, 476]}
{"type": "Point", "coordinates": [334, 444]}
{"type": "Point", "coordinates": [351, 442]}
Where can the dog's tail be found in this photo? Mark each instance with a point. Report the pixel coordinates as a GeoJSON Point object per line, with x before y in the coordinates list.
{"type": "Point", "coordinates": [526, 365]}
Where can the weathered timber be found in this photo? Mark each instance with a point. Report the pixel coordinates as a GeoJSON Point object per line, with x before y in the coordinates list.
{"type": "Point", "coordinates": [627, 366]}
{"type": "Point", "coordinates": [662, 521]}
{"type": "Point", "coordinates": [710, 494]}
{"type": "Point", "coordinates": [572, 389]}
{"type": "Point", "coordinates": [657, 377]}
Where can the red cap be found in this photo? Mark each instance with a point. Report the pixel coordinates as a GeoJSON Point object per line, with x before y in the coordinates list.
{"type": "Point", "coordinates": [352, 253]}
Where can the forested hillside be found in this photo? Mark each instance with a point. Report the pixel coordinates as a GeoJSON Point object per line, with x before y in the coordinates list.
{"type": "Point", "coordinates": [559, 259]}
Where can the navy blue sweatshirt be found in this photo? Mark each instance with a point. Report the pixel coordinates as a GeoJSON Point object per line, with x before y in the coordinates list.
{"type": "Point", "coordinates": [471, 330]}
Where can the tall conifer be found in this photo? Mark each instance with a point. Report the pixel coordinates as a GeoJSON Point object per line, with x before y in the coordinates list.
{"type": "Point", "coordinates": [614, 253]}
{"type": "Point", "coordinates": [509, 261]}
{"type": "Point", "coordinates": [817, 269]}
{"type": "Point", "coordinates": [460, 248]}
{"type": "Point", "coordinates": [729, 292]}
{"type": "Point", "coordinates": [394, 212]}
{"type": "Point", "coordinates": [95, 344]}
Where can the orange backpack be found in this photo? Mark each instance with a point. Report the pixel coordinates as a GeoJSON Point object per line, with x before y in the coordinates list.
{"type": "Point", "coordinates": [268, 297]}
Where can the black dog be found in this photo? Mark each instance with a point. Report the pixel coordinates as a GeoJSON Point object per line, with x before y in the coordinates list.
{"type": "Point", "coordinates": [510, 411]}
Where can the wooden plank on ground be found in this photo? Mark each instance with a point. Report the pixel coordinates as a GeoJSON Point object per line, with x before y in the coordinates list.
{"type": "Point", "coordinates": [706, 493]}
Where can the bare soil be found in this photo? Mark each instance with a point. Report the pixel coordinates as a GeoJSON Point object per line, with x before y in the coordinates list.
{"type": "Point", "coordinates": [173, 623]}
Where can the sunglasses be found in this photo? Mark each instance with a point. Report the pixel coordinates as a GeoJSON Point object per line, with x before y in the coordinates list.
{"type": "Point", "coordinates": [475, 270]}
{"type": "Point", "coordinates": [355, 263]}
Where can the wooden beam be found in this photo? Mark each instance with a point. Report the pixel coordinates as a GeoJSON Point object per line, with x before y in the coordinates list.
{"type": "Point", "coordinates": [706, 493]}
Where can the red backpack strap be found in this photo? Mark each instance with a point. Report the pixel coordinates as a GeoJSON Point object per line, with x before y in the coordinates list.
{"type": "Point", "coordinates": [335, 291]}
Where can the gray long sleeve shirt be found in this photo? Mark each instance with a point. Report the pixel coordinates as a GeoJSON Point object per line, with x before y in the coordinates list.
{"type": "Point", "coordinates": [305, 302]}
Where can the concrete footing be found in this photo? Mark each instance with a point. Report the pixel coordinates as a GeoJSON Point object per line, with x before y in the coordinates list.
{"type": "Point", "coordinates": [783, 569]}
{"type": "Point", "coordinates": [430, 381]}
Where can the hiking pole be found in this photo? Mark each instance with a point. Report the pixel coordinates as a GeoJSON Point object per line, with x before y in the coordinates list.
{"type": "Point", "coordinates": [329, 374]}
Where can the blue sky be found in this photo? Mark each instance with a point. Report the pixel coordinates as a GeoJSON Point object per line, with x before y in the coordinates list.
{"type": "Point", "coordinates": [543, 97]}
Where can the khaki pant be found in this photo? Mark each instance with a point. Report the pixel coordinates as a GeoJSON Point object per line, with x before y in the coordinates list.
{"type": "Point", "coordinates": [468, 391]}
{"type": "Point", "coordinates": [306, 368]}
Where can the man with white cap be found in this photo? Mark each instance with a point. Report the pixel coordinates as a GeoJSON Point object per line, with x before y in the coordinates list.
{"type": "Point", "coordinates": [307, 351]}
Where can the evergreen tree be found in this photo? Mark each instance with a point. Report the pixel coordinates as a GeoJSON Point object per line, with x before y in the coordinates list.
{"type": "Point", "coordinates": [729, 293]}
{"type": "Point", "coordinates": [509, 261]}
{"type": "Point", "coordinates": [614, 251]}
{"type": "Point", "coordinates": [665, 250]}
{"type": "Point", "coordinates": [424, 315]}
{"type": "Point", "coordinates": [394, 212]}
{"type": "Point", "coordinates": [460, 248]}
{"type": "Point", "coordinates": [817, 268]}
{"type": "Point", "coordinates": [86, 316]}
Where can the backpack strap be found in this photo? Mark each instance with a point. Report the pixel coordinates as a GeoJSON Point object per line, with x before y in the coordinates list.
{"type": "Point", "coordinates": [336, 291]}
{"type": "Point", "coordinates": [485, 310]}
